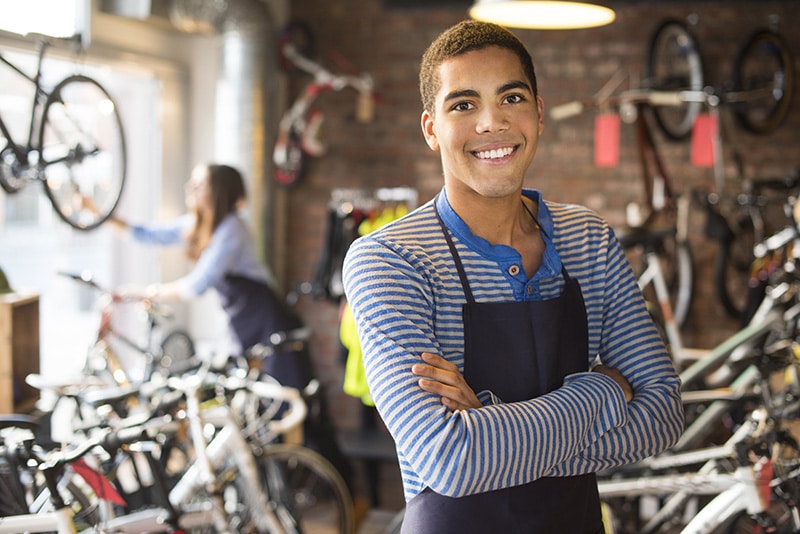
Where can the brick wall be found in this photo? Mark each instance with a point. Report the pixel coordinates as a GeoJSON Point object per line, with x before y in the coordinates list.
{"type": "Point", "coordinates": [390, 151]}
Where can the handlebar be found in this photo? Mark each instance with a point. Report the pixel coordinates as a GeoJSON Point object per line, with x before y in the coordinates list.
{"type": "Point", "coordinates": [283, 341]}
{"type": "Point", "coordinates": [633, 97]}
{"type": "Point", "coordinates": [152, 307]}
{"type": "Point", "coordinates": [296, 406]}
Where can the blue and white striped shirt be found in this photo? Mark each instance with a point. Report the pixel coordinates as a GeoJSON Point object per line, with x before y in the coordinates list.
{"type": "Point", "coordinates": [406, 298]}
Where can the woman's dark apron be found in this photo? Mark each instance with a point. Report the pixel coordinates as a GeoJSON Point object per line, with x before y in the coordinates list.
{"type": "Point", "coordinates": [518, 350]}
{"type": "Point", "coordinates": [255, 313]}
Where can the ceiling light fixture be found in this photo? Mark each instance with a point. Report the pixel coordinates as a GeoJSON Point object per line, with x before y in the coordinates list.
{"type": "Point", "coordinates": [542, 14]}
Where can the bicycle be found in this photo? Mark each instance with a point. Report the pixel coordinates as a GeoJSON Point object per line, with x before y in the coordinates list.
{"type": "Point", "coordinates": [299, 127]}
{"type": "Point", "coordinates": [75, 145]}
{"type": "Point", "coordinates": [749, 360]}
{"type": "Point", "coordinates": [759, 92]}
{"type": "Point", "coordinates": [167, 353]}
{"type": "Point", "coordinates": [748, 492]}
{"type": "Point", "coordinates": [225, 485]}
{"type": "Point", "coordinates": [759, 96]}
{"type": "Point", "coordinates": [661, 207]}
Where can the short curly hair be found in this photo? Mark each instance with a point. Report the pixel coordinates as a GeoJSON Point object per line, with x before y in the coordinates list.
{"type": "Point", "coordinates": [464, 37]}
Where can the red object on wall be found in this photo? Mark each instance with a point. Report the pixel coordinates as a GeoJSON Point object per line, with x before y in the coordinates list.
{"type": "Point", "coordinates": [704, 135]}
{"type": "Point", "coordinates": [606, 140]}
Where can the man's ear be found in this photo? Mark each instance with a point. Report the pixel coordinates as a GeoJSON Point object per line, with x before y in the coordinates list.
{"type": "Point", "coordinates": [429, 131]}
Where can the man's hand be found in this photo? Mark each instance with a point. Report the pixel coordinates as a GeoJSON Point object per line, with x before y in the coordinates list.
{"type": "Point", "coordinates": [618, 378]}
{"type": "Point", "coordinates": [443, 378]}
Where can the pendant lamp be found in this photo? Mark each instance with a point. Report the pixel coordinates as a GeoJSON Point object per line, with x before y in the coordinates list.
{"type": "Point", "coordinates": [542, 14]}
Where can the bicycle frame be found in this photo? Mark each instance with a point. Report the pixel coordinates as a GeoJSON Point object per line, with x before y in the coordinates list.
{"type": "Point", "coordinates": [22, 151]}
{"type": "Point", "coordinates": [654, 274]}
{"type": "Point", "coordinates": [227, 444]}
{"type": "Point", "coordinates": [59, 521]}
{"type": "Point", "coordinates": [740, 491]}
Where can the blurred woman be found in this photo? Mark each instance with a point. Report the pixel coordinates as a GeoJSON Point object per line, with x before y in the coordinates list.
{"type": "Point", "coordinates": [219, 243]}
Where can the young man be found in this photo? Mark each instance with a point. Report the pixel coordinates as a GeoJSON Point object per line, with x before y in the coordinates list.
{"type": "Point", "coordinates": [482, 313]}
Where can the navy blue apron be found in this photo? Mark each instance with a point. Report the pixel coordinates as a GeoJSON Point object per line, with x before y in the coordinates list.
{"type": "Point", "coordinates": [255, 312]}
{"type": "Point", "coordinates": [518, 350]}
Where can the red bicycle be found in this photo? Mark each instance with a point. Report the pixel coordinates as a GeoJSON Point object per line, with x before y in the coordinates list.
{"type": "Point", "coordinates": [299, 132]}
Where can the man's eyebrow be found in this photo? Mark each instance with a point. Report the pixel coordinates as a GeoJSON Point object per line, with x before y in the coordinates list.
{"type": "Point", "coordinates": [516, 84]}
{"type": "Point", "coordinates": [460, 94]}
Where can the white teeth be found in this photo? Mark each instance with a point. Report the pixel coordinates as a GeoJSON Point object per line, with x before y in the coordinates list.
{"type": "Point", "coordinates": [494, 154]}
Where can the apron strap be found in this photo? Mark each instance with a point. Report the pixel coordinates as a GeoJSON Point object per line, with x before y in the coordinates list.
{"type": "Point", "coordinates": [456, 259]}
{"type": "Point", "coordinates": [564, 272]}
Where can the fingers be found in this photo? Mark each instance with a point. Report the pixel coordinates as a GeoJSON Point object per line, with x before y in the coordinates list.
{"type": "Point", "coordinates": [437, 368]}
{"type": "Point", "coordinates": [627, 389]}
{"type": "Point", "coordinates": [440, 377]}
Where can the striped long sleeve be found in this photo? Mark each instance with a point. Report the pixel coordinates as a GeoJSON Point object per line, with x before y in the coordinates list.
{"type": "Point", "coordinates": [406, 297]}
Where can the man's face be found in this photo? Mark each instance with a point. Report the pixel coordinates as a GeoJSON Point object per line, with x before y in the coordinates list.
{"type": "Point", "coordinates": [486, 123]}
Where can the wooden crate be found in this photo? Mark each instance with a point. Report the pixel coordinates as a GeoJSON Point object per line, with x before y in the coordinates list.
{"type": "Point", "coordinates": [19, 351]}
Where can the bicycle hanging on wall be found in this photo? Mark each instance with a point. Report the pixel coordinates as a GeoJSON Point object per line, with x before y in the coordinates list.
{"type": "Point", "coordinates": [759, 92]}
{"type": "Point", "coordinates": [299, 131]}
{"type": "Point", "coordinates": [75, 145]}
{"type": "Point", "coordinates": [758, 96]}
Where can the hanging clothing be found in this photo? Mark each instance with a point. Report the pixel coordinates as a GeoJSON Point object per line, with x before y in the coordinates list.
{"type": "Point", "coordinates": [355, 379]}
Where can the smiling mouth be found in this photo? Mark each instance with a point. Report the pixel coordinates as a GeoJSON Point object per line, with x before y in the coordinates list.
{"type": "Point", "coordinates": [494, 154]}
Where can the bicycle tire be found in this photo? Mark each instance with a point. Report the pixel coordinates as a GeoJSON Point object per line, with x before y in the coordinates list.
{"type": "Point", "coordinates": [732, 265]}
{"type": "Point", "coordinates": [9, 170]}
{"type": "Point", "coordinates": [677, 266]}
{"type": "Point", "coordinates": [177, 350]}
{"type": "Point", "coordinates": [308, 486]}
{"type": "Point", "coordinates": [763, 66]}
{"type": "Point", "coordinates": [290, 161]}
{"type": "Point", "coordinates": [680, 280]}
{"type": "Point", "coordinates": [82, 154]}
{"type": "Point", "coordinates": [674, 63]}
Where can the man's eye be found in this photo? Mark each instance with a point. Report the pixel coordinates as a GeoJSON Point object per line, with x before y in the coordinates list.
{"type": "Point", "coordinates": [462, 106]}
{"type": "Point", "coordinates": [514, 99]}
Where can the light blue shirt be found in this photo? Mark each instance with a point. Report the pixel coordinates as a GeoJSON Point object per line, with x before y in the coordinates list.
{"type": "Point", "coordinates": [230, 251]}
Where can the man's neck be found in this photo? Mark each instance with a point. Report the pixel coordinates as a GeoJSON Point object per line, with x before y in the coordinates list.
{"type": "Point", "coordinates": [500, 221]}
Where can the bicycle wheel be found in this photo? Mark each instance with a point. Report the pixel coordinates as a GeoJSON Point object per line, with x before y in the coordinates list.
{"type": "Point", "coordinates": [307, 486]}
{"type": "Point", "coordinates": [289, 159]}
{"type": "Point", "coordinates": [674, 64]}
{"type": "Point", "coordinates": [82, 152]}
{"type": "Point", "coordinates": [11, 179]}
{"type": "Point", "coordinates": [677, 266]}
{"type": "Point", "coordinates": [732, 266]}
{"type": "Point", "coordinates": [177, 350]}
{"type": "Point", "coordinates": [763, 75]}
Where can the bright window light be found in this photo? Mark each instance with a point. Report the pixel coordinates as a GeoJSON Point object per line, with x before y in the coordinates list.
{"type": "Point", "coordinates": [57, 18]}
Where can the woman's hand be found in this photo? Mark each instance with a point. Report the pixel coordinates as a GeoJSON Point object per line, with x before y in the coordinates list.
{"type": "Point", "coordinates": [443, 378]}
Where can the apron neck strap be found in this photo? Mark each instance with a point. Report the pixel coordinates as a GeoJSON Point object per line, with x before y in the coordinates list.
{"type": "Point", "coordinates": [459, 266]}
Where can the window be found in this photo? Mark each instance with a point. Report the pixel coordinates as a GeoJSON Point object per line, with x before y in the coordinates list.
{"type": "Point", "coordinates": [65, 17]}
{"type": "Point", "coordinates": [35, 244]}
